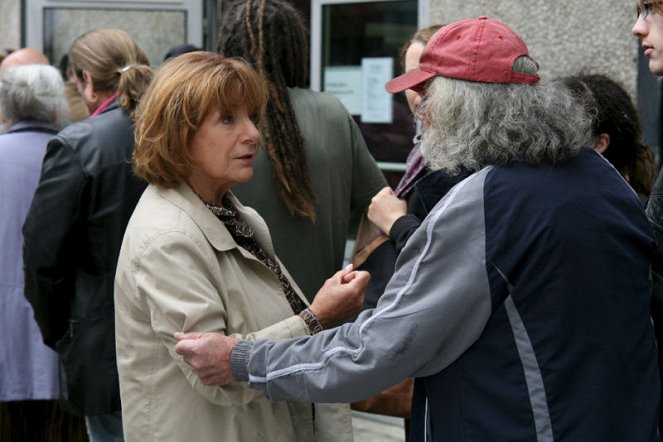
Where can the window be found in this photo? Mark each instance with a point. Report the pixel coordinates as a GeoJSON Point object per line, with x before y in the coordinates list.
{"type": "Point", "coordinates": [355, 50]}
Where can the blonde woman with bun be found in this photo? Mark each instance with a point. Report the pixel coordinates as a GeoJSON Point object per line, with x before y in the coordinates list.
{"type": "Point", "coordinates": [74, 227]}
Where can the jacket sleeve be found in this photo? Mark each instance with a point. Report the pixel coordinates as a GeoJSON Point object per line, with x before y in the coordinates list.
{"type": "Point", "coordinates": [174, 274]}
{"type": "Point", "coordinates": [367, 178]}
{"type": "Point", "coordinates": [402, 229]}
{"type": "Point", "coordinates": [434, 308]}
{"type": "Point", "coordinates": [50, 240]}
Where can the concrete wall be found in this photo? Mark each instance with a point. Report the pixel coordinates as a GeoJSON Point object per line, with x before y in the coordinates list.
{"type": "Point", "coordinates": [562, 35]}
{"type": "Point", "coordinates": [154, 31]}
{"type": "Point", "coordinates": [10, 24]}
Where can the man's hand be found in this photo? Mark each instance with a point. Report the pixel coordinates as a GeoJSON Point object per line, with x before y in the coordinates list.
{"type": "Point", "coordinates": [208, 354]}
{"type": "Point", "coordinates": [341, 297]}
{"type": "Point", "coordinates": [385, 209]}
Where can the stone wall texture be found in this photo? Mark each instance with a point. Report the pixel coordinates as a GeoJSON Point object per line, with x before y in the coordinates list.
{"type": "Point", "coordinates": [564, 36]}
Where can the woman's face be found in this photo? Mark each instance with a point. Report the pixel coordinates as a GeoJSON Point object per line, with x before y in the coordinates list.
{"type": "Point", "coordinates": [649, 29]}
{"type": "Point", "coordinates": [224, 148]}
{"type": "Point", "coordinates": [412, 62]}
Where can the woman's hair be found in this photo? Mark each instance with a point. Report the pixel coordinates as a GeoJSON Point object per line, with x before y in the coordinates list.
{"type": "Point", "coordinates": [653, 6]}
{"type": "Point", "coordinates": [421, 36]}
{"type": "Point", "coordinates": [272, 37]}
{"type": "Point", "coordinates": [473, 124]}
{"type": "Point", "coordinates": [184, 91]}
{"type": "Point", "coordinates": [32, 93]}
{"type": "Point", "coordinates": [115, 62]}
{"type": "Point", "coordinates": [614, 114]}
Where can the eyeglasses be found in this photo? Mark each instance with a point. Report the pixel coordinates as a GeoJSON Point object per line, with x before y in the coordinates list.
{"type": "Point", "coordinates": [645, 8]}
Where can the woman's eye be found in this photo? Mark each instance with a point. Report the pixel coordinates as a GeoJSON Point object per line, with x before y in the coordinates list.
{"type": "Point", "coordinates": [253, 118]}
{"type": "Point", "coordinates": [228, 119]}
{"type": "Point", "coordinates": [646, 8]}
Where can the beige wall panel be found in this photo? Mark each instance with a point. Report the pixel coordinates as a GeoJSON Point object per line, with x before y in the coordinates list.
{"type": "Point", "coordinates": [155, 31]}
{"type": "Point", "coordinates": [10, 24]}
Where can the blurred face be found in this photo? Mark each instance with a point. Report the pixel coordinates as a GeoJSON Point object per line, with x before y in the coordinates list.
{"type": "Point", "coordinates": [412, 62]}
{"type": "Point", "coordinates": [649, 29]}
{"type": "Point", "coordinates": [224, 148]}
{"type": "Point", "coordinates": [91, 98]}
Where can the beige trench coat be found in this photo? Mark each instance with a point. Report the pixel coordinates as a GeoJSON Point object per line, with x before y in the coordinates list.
{"type": "Point", "coordinates": [180, 270]}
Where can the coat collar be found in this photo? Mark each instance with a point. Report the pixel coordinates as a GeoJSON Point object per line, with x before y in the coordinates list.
{"type": "Point", "coordinates": [25, 126]}
{"type": "Point", "coordinates": [214, 230]}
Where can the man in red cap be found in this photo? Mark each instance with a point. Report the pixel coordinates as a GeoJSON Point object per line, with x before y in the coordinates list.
{"type": "Point", "coordinates": [521, 305]}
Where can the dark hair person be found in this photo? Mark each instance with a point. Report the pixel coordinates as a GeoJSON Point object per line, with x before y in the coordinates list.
{"type": "Point", "coordinates": [616, 132]}
{"type": "Point", "coordinates": [315, 171]}
{"type": "Point", "coordinates": [195, 259]}
{"type": "Point", "coordinates": [31, 109]}
{"type": "Point", "coordinates": [74, 227]}
{"type": "Point", "coordinates": [648, 27]}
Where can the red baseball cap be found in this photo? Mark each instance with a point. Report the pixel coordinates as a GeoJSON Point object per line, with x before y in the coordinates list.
{"type": "Point", "coordinates": [477, 49]}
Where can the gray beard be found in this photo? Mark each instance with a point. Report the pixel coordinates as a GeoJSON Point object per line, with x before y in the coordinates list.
{"type": "Point", "coordinates": [437, 153]}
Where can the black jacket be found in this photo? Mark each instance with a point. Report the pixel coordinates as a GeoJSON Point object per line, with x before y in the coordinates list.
{"type": "Point", "coordinates": [655, 218]}
{"type": "Point", "coordinates": [73, 233]}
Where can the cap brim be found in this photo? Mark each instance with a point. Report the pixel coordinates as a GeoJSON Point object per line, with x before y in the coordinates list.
{"type": "Point", "coordinates": [408, 80]}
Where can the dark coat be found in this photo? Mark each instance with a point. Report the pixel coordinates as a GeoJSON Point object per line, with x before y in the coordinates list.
{"type": "Point", "coordinates": [73, 232]}
{"type": "Point", "coordinates": [655, 218]}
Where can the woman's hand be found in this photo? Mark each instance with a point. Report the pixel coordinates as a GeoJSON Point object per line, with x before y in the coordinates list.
{"type": "Point", "coordinates": [341, 297]}
{"type": "Point", "coordinates": [385, 209]}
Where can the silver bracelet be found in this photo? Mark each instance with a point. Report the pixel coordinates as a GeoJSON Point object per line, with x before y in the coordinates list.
{"type": "Point", "coordinates": [312, 321]}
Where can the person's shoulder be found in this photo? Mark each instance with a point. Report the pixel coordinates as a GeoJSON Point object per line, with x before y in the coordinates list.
{"type": "Point", "coordinates": [155, 210]}
{"type": "Point", "coordinates": [156, 215]}
{"type": "Point", "coordinates": [314, 99]}
{"type": "Point", "coordinates": [112, 119]}
{"type": "Point", "coordinates": [101, 139]}
{"type": "Point", "coordinates": [9, 139]}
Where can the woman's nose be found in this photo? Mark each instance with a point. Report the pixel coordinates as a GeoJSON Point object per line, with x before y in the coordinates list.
{"type": "Point", "coordinates": [639, 28]}
{"type": "Point", "coordinates": [251, 131]}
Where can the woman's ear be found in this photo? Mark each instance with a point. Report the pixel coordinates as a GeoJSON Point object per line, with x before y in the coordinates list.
{"type": "Point", "coordinates": [87, 80]}
{"type": "Point", "coordinates": [601, 142]}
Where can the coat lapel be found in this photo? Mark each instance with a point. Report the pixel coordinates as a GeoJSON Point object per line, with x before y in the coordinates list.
{"type": "Point", "coordinates": [214, 230]}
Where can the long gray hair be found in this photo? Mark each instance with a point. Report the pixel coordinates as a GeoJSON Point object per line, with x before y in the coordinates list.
{"type": "Point", "coordinates": [473, 125]}
{"type": "Point", "coordinates": [32, 93]}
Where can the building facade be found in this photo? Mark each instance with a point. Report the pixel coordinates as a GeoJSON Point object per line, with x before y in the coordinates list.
{"type": "Point", "coordinates": [355, 44]}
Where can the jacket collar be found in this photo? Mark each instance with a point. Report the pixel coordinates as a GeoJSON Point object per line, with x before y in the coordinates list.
{"type": "Point", "coordinates": [112, 102]}
{"type": "Point", "coordinates": [24, 126]}
{"type": "Point", "coordinates": [214, 230]}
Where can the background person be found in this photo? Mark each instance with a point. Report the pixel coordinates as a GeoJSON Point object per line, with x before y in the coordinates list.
{"type": "Point", "coordinates": [77, 108]}
{"type": "Point", "coordinates": [518, 322]}
{"type": "Point", "coordinates": [33, 109]}
{"type": "Point", "coordinates": [649, 29]}
{"type": "Point", "coordinates": [399, 212]}
{"type": "Point", "coordinates": [315, 171]}
{"type": "Point", "coordinates": [616, 132]}
{"type": "Point", "coordinates": [74, 227]}
{"type": "Point", "coordinates": [179, 50]}
{"type": "Point", "coordinates": [195, 259]}
{"type": "Point", "coordinates": [405, 207]}
{"type": "Point", "coordinates": [21, 57]}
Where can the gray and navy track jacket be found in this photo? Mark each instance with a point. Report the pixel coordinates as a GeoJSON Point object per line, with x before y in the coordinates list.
{"type": "Point", "coordinates": [521, 306]}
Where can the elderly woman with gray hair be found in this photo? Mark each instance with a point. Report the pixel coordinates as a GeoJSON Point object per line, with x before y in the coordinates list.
{"type": "Point", "coordinates": [31, 107]}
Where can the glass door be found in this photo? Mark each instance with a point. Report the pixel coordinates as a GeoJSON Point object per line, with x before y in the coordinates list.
{"type": "Point", "coordinates": [355, 48]}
